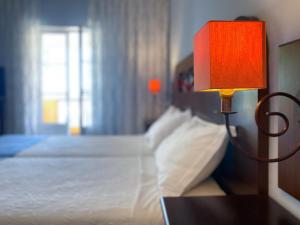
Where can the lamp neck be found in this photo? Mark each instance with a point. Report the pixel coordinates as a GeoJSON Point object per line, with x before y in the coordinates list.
{"type": "Point", "coordinates": [226, 100]}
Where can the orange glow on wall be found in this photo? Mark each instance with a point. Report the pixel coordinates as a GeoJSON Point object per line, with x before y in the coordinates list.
{"type": "Point", "coordinates": [154, 86]}
{"type": "Point", "coordinates": [230, 55]}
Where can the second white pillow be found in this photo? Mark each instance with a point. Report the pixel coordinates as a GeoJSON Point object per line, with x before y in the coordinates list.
{"type": "Point", "coordinates": [166, 125]}
{"type": "Point", "coordinates": [189, 155]}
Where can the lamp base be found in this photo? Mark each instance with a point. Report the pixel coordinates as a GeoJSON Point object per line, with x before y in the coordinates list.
{"type": "Point", "coordinates": [226, 102]}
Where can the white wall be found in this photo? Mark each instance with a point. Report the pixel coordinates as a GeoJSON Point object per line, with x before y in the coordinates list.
{"type": "Point", "coordinates": [282, 18]}
{"type": "Point", "coordinates": [187, 16]}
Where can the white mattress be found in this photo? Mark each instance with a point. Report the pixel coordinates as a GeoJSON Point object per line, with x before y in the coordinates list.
{"type": "Point", "coordinates": [89, 146]}
{"type": "Point", "coordinates": [82, 191]}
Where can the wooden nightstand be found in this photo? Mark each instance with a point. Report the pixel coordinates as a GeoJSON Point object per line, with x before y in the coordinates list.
{"type": "Point", "coordinates": [225, 210]}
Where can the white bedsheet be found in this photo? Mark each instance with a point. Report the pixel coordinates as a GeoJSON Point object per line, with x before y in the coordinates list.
{"type": "Point", "coordinates": [106, 191]}
{"type": "Point", "coordinates": [78, 191]}
{"type": "Point", "coordinates": [89, 146]}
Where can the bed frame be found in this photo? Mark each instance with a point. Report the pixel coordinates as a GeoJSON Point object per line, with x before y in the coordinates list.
{"type": "Point", "coordinates": [237, 174]}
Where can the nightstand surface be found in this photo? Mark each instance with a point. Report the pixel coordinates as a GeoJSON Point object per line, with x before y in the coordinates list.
{"type": "Point", "coordinates": [225, 210]}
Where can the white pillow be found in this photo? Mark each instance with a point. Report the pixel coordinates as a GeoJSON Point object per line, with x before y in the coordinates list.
{"type": "Point", "coordinates": [165, 125]}
{"type": "Point", "coordinates": [169, 111]}
{"type": "Point", "coordinates": [200, 122]}
{"type": "Point", "coordinates": [205, 123]}
{"type": "Point", "coordinates": [188, 156]}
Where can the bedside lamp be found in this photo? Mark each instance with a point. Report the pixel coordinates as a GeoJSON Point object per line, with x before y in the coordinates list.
{"type": "Point", "coordinates": [230, 56]}
{"type": "Point", "coordinates": [154, 86]}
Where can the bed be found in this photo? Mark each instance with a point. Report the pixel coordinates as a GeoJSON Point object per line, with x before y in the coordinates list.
{"type": "Point", "coordinates": [83, 191]}
{"type": "Point", "coordinates": [108, 180]}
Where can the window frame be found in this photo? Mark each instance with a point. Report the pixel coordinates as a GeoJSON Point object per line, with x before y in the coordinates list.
{"type": "Point", "coordinates": [57, 128]}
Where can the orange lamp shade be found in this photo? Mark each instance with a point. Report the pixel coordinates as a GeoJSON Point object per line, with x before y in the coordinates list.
{"type": "Point", "coordinates": [154, 86]}
{"type": "Point", "coordinates": [229, 56]}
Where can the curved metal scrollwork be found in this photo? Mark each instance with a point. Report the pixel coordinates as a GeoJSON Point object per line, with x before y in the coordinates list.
{"type": "Point", "coordinates": [258, 112]}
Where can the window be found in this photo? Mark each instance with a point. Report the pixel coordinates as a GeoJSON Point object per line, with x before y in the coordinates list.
{"type": "Point", "coordinates": [66, 78]}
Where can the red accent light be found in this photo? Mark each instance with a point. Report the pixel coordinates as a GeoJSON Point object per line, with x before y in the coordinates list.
{"type": "Point", "coordinates": [230, 55]}
{"type": "Point", "coordinates": [154, 86]}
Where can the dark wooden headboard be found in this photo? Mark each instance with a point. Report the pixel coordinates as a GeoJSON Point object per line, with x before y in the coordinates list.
{"type": "Point", "coordinates": [237, 174]}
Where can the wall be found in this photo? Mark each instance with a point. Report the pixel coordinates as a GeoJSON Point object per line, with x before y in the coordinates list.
{"type": "Point", "coordinates": [64, 12]}
{"type": "Point", "coordinates": [282, 19]}
{"type": "Point", "coordinates": [189, 15]}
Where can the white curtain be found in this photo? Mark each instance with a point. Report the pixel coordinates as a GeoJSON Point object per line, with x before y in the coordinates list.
{"type": "Point", "coordinates": [18, 56]}
{"type": "Point", "coordinates": [130, 43]}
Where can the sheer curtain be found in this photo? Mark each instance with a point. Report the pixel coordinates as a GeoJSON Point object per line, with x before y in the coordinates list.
{"type": "Point", "coordinates": [130, 43]}
{"type": "Point", "coordinates": [18, 56]}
